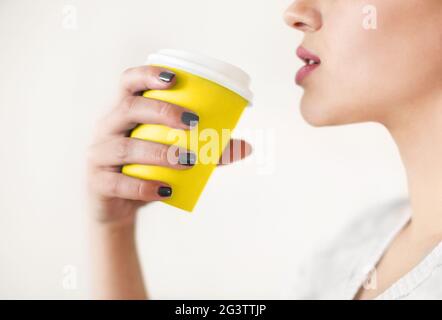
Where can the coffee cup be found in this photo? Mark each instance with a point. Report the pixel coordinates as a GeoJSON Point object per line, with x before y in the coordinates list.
{"type": "Point", "coordinates": [218, 93]}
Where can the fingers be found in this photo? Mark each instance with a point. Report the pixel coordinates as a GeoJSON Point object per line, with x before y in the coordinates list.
{"type": "Point", "coordinates": [137, 109]}
{"type": "Point", "coordinates": [123, 150]}
{"type": "Point", "coordinates": [138, 79]}
{"type": "Point", "coordinates": [112, 184]}
{"type": "Point", "coordinates": [134, 109]}
{"type": "Point", "coordinates": [236, 150]}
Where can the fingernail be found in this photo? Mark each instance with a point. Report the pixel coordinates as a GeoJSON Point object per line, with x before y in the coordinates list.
{"type": "Point", "coordinates": [165, 191]}
{"type": "Point", "coordinates": [166, 76]}
{"type": "Point", "coordinates": [189, 119]}
{"type": "Point", "coordinates": [187, 159]}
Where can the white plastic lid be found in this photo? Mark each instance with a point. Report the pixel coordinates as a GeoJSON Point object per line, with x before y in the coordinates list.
{"type": "Point", "coordinates": [222, 73]}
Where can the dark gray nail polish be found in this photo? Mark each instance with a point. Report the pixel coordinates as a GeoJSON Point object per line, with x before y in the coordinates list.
{"type": "Point", "coordinates": [165, 191]}
{"type": "Point", "coordinates": [187, 158]}
{"type": "Point", "coordinates": [166, 76]}
{"type": "Point", "coordinates": [190, 119]}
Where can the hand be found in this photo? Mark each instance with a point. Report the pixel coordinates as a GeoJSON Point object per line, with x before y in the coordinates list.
{"type": "Point", "coordinates": [116, 197]}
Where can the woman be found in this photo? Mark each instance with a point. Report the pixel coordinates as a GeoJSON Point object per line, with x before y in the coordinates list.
{"type": "Point", "coordinates": [358, 69]}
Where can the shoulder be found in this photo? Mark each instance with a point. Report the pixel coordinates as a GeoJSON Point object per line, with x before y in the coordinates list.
{"type": "Point", "coordinates": [422, 282]}
{"type": "Point", "coordinates": [327, 269]}
{"type": "Point", "coordinates": [370, 224]}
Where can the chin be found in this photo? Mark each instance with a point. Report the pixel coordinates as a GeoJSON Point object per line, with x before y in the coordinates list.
{"type": "Point", "coordinates": [322, 113]}
{"type": "Point", "coordinates": [316, 113]}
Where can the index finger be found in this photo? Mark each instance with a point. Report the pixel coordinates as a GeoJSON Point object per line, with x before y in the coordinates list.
{"type": "Point", "coordinates": [138, 79]}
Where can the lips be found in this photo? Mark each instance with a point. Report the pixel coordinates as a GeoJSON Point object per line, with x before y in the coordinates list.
{"type": "Point", "coordinates": [311, 63]}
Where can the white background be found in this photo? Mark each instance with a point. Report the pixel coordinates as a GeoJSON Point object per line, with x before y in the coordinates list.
{"type": "Point", "coordinates": [254, 222]}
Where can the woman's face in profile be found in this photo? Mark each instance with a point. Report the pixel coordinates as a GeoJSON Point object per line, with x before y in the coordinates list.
{"type": "Point", "coordinates": [379, 58]}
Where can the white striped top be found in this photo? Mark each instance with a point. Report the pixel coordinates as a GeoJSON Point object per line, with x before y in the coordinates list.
{"type": "Point", "coordinates": [338, 271]}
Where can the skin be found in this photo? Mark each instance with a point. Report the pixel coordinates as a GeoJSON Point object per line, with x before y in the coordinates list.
{"type": "Point", "coordinates": [391, 75]}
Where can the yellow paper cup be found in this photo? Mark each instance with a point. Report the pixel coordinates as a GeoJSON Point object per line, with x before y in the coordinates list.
{"type": "Point", "coordinates": [218, 93]}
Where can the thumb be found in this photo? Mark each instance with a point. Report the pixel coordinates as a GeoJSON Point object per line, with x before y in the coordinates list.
{"type": "Point", "coordinates": [236, 150]}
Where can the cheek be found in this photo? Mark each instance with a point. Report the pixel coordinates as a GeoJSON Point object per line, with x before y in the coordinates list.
{"type": "Point", "coordinates": [354, 60]}
{"type": "Point", "coordinates": [349, 71]}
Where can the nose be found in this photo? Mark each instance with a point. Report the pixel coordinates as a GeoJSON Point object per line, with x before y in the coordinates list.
{"type": "Point", "coordinates": [303, 15]}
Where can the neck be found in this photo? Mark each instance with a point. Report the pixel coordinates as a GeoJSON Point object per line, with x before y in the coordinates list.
{"type": "Point", "coordinates": [417, 132]}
